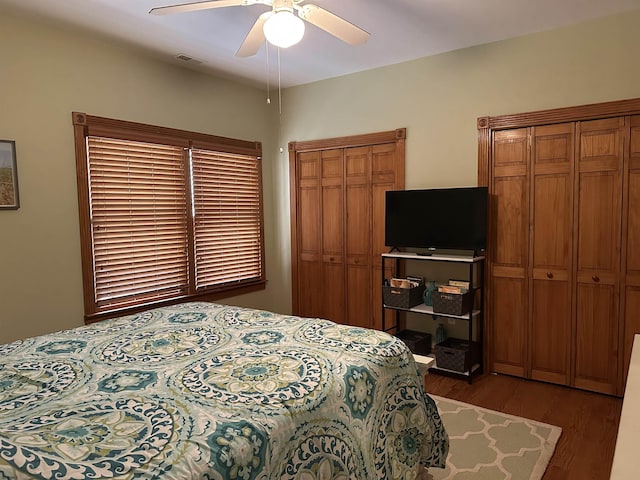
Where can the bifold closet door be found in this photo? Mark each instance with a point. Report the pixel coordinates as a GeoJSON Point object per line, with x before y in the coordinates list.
{"type": "Point", "coordinates": [551, 259]}
{"type": "Point", "coordinates": [509, 237]}
{"type": "Point", "coordinates": [597, 245]}
{"type": "Point", "coordinates": [337, 219]}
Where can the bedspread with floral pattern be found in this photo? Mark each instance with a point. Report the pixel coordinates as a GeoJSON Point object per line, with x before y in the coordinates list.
{"type": "Point", "coordinates": [207, 391]}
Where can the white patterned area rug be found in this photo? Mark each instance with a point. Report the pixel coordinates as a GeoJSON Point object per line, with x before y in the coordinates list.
{"type": "Point", "coordinates": [489, 445]}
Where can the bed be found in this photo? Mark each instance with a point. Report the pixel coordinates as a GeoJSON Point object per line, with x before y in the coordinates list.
{"type": "Point", "coordinates": [208, 391]}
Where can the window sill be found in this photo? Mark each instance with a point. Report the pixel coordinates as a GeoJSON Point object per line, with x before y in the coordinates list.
{"type": "Point", "coordinates": [206, 296]}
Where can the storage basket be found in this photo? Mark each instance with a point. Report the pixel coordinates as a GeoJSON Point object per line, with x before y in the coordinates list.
{"type": "Point", "coordinates": [457, 354]}
{"type": "Point", "coordinates": [452, 303]}
{"type": "Point", "coordinates": [402, 297]}
{"type": "Point", "coordinates": [418, 342]}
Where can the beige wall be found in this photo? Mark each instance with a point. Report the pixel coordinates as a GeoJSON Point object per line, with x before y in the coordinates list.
{"type": "Point", "coordinates": [46, 72]}
{"type": "Point", "coordinates": [439, 98]}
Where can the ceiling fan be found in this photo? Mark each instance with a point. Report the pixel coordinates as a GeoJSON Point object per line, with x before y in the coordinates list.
{"type": "Point", "coordinates": [280, 26]}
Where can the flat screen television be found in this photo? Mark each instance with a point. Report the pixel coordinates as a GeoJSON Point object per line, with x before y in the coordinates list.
{"type": "Point", "coordinates": [443, 218]}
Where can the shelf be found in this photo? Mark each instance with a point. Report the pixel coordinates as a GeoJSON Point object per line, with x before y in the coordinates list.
{"type": "Point", "coordinates": [455, 372]}
{"type": "Point", "coordinates": [435, 257]}
{"type": "Point", "coordinates": [434, 368]}
{"type": "Point", "coordinates": [473, 263]}
{"type": "Point", "coordinates": [425, 309]}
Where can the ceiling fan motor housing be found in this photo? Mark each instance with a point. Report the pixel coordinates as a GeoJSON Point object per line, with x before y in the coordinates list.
{"type": "Point", "coordinates": [282, 5]}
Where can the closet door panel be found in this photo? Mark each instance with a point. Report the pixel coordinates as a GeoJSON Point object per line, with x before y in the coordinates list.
{"type": "Point", "coordinates": [509, 245]}
{"type": "Point", "coordinates": [550, 330]}
{"type": "Point", "coordinates": [551, 259]}
{"type": "Point", "coordinates": [359, 303]}
{"type": "Point", "coordinates": [309, 249]}
{"type": "Point", "coordinates": [332, 293]}
{"type": "Point", "coordinates": [599, 221]}
{"type": "Point", "coordinates": [310, 282]}
{"type": "Point", "coordinates": [386, 174]}
{"type": "Point", "coordinates": [508, 308]}
{"type": "Point", "coordinates": [511, 201]}
{"type": "Point", "coordinates": [597, 248]}
{"type": "Point", "coordinates": [596, 338]}
{"type": "Point", "coordinates": [357, 162]}
{"type": "Point", "coordinates": [631, 251]}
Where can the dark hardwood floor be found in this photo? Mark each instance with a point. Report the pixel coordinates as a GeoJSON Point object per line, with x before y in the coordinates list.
{"type": "Point", "coordinates": [589, 421]}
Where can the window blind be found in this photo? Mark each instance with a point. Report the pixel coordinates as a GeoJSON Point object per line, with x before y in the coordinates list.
{"type": "Point", "coordinates": [228, 220]}
{"type": "Point", "coordinates": [166, 215]}
{"type": "Point", "coordinates": [139, 220]}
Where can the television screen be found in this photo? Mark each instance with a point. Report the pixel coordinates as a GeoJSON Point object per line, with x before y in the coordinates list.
{"type": "Point", "coordinates": [445, 218]}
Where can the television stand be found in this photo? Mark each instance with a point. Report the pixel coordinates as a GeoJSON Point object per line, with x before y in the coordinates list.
{"type": "Point", "coordinates": [473, 317]}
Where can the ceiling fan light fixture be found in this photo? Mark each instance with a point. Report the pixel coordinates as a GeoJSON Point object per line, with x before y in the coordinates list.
{"type": "Point", "coordinates": [283, 29]}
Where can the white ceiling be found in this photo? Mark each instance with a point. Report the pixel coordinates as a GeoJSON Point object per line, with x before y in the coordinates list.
{"type": "Point", "coordinates": [401, 30]}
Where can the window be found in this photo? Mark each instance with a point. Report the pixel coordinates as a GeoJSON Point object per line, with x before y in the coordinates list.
{"type": "Point", "coordinates": [165, 215]}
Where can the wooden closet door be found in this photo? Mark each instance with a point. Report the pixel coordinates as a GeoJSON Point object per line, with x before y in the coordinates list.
{"type": "Point", "coordinates": [509, 241]}
{"type": "Point", "coordinates": [337, 219]}
{"type": "Point", "coordinates": [332, 293]}
{"type": "Point", "coordinates": [598, 214]}
{"type": "Point", "coordinates": [309, 282]}
{"type": "Point", "coordinates": [357, 163]}
{"type": "Point", "coordinates": [387, 173]}
{"type": "Point", "coordinates": [631, 250]}
{"type": "Point", "coordinates": [551, 246]}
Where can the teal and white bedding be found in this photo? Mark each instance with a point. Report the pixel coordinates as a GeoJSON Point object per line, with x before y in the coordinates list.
{"type": "Point", "coordinates": [207, 391]}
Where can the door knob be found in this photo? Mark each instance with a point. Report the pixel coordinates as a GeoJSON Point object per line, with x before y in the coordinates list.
{"type": "Point", "coordinates": [549, 275]}
{"type": "Point", "coordinates": [595, 278]}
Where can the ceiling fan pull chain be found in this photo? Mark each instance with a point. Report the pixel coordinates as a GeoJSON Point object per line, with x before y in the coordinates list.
{"type": "Point", "coordinates": [279, 85]}
{"type": "Point", "coordinates": [268, 72]}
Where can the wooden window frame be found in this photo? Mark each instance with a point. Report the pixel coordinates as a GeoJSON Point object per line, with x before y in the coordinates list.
{"type": "Point", "coordinates": [93, 126]}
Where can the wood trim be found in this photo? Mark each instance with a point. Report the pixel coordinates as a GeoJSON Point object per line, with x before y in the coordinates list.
{"type": "Point", "coordinates": [622, 273]}
{"type": "Point", "coordinates": [351, 141]}
{"type": "Point", "coordinates": [101, 126]}
{"type": "Point", "coordinates": [79, 132]}
{"type": "Point", "coordinates": [483, 181]}
{"type": "Point", "coordinates": [483, 151]}
{"type": "Point", "coordinates": [560, 115]}
{"type": "Point", "coordinates": [203, 297]}
{"type": "Point", "coordinates": [293, 202]}
{"type": "Point", "coordinates": [400, 159]}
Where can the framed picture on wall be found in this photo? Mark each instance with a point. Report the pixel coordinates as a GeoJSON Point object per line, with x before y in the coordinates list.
{"type": "Point", "coordinates": [9, 199]}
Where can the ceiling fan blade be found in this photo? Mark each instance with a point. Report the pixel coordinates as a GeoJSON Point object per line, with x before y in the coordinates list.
{"type": "Point", "coordinates": [333, 24]}
{"type": "Point", "coordinates": [255, 38]}
{"type": "Point", "coordinates": [192, 7]}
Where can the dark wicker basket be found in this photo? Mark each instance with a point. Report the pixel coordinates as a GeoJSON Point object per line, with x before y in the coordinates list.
{"type": "Point", "coordinates": [452, 303]}
{"type": "Point", "coordinates": [418, 342]}
{"type": "Point", "coordinates": [402, 297]}
{"type": "Point", "coordinates": [456, 354]}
